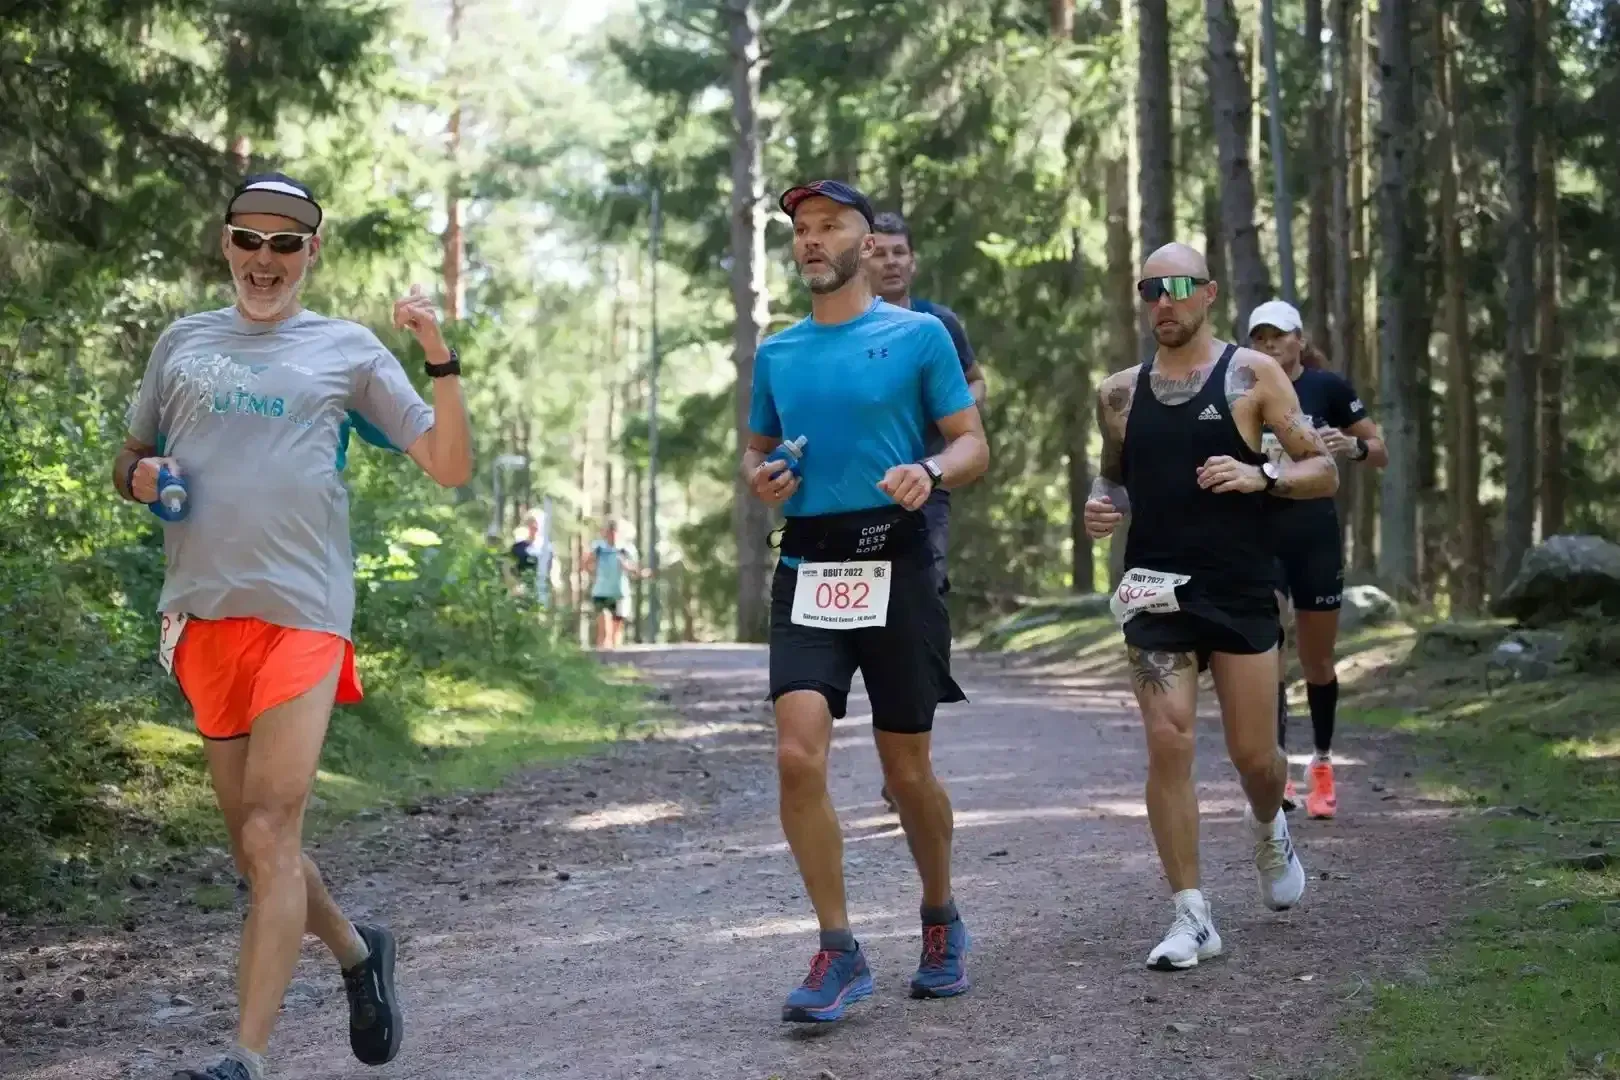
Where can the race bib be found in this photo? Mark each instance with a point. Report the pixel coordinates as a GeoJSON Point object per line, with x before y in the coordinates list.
{"type": "Point", "coordinates": [1145, 591]}
{"type": "Point", "coordinates": [843, 595]}
{"type": "Point", "coordinates": [173, 625]}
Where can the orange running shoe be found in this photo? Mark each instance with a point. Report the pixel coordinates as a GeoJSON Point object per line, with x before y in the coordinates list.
{"type": "Point", "coordinates": [1290, 797]}
{"type": "Point", "coordinates": [1322, 802]}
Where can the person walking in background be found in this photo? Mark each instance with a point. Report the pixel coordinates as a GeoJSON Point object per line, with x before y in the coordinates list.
{"type": "Point", "coordinates": [608, 562]}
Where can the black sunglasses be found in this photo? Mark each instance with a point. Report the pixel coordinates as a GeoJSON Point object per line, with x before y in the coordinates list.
{"type": "Point", "coordinates": [1177, 287]}
{"type": "Point", "coordinates": [282, 243]}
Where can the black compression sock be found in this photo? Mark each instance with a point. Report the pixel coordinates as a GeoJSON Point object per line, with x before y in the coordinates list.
{"type": "Point", "coordinates": [940, 916]}
{"type": "Point", "coordinates": [1282, 716]}
{"type": "Point", "coordinates": [1324, 701]}
{"type": "Point", "coordinates": [838, 941]}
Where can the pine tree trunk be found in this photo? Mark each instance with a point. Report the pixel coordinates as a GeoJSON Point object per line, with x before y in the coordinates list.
{"type": "Point", "coordinates": [1078, 417]}
{"type": "Point", "coordinates": [749, 300]}
{"type": "Point", "coordinates": [1220, 312]}
{"type": "Point", "coordinates": [454, 242]}
{"type": "Point", "coordinates": [1397, 556]}
{"type": "Point", "coordinates": [1155, 141]}
{"type": "Point", "coordinates": [1550, 343]}
{"type": "Point", "coordinates": [1060, 17]}
{"type": "Point", "coordinates": [1229, 94]}
{"type": "Point", "coordinates": [1319, 197]}
{"type": "Point", "coordinates": [1519, 398]}
{"type": "Point", "coordinates": [1361, 498]}
{"type": "Point", "coordinates": [1155, 164]}
{"type": "Point", "coordinates": [1344, 322]}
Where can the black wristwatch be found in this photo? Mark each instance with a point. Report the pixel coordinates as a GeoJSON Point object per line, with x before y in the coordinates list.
{"type": "Point", "coordinates": [451, 366]}
{"type": "Point", "coordinates": [936, 475]}
{"type": "Point", "coordinates": [1362, 449]}
{"type": "Point", "coordinates": [1269, 471]}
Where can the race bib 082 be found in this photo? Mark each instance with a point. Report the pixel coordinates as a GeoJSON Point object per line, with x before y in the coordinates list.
{"type": "Point", "coordinates": [842, 596]}
{"type": "Point", "coordinates": [1142, 591]}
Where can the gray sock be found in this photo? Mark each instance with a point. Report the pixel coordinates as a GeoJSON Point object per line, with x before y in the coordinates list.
{"type": "Point", "coordinates": [943, 915]}
{"type": "Point", "coordinates": [256, 1067]}
{"type": "Point", "coordinates": [838, 941]}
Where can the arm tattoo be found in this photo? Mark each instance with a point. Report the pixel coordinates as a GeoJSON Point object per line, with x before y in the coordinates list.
{"type": "Point", "coordinates": [1240, 379]}
{"type": "Point", "coordinates": [1154, 671]}
{"type": "Point", "coordinates": [1297, 425]}
{"type": "Point", "coordinates": [1177, 391]}
{"type": "Point", "coordinates": [1302, 442]}
{"type": "Point", "coordinates": [1113, 412]}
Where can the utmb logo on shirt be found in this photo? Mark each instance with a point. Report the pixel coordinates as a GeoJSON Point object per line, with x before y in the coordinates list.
{"type": "Point", "coordinates": [244, 401]}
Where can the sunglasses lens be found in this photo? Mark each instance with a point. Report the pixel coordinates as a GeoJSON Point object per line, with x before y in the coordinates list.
{"type": "Point", "coordinates": [1150, 290]}
{"type": "Point", "coordinates": [282, 244]}
{"type": "Point", "coordinates": [1180, 288]}
{"type": "Point", "coordinates": [246, 239]}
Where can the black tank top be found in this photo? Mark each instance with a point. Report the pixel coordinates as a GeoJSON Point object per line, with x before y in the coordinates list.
{"type": "Point", "coordinates": [1221, 541]}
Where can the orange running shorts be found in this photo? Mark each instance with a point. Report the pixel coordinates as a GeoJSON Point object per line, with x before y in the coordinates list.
{"type": "Point", "coordinates": [232, 670]}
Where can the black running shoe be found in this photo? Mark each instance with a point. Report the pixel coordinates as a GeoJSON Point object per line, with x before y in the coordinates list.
{"type": "Point", "coordinates": [376, 1024]}
{"type": "Point", "coordinates": [226, 1069]}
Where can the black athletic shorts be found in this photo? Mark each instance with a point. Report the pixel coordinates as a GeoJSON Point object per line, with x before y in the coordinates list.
{"type": "Point", "coordinates": [1240, 626]}
{"type": "Point", "coordinates": [906, 663]}
{"type": "Point", "coordinates": [1310, 563]}
{"type": "Point", "coordinates": [606, 603]}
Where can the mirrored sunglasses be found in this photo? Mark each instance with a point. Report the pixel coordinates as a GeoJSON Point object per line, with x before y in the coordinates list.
{"type": "Point", "coordinates": [1177, 287]}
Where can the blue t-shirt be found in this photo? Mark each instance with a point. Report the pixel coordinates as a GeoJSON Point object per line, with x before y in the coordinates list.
{"type": "Point", "coordinates": [865, 392]}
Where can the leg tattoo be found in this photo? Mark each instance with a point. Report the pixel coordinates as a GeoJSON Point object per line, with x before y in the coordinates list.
{"type": "Point", "coordinates": [1155, 671]}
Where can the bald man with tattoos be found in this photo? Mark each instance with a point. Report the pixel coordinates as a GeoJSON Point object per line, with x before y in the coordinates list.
{"type": "Point", "coordinates": [1181, 456]}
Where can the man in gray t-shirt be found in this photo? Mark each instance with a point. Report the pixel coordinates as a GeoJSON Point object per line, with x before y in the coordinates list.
{"type": "Point", "coordinates": [252, 408]}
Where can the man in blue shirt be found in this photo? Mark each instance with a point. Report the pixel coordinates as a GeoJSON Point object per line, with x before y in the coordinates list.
{"type": "Point", "coordinates": [861, 382]}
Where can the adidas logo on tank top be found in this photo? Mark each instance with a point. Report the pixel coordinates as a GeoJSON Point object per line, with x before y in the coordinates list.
{"type": "Point", "coordinates": [1210, 413]}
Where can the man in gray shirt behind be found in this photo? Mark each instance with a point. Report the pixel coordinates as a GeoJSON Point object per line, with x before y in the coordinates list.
{"type": "Point", "coordinates": [252, 408]}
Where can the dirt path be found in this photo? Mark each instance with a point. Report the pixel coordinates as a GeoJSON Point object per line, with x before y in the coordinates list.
{"type": "Point", "coordinates": [638, 915]}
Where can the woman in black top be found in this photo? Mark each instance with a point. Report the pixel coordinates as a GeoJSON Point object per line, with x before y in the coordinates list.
{"type": "Point", "coordinates": [1308, 541]}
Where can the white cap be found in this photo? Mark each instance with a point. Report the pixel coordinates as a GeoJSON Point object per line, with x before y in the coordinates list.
{"type": "Point", "coordinates": [1279, 313]}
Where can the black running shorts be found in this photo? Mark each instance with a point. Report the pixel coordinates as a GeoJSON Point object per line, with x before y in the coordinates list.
{"type": "Point", "coordinates": [1310, 564]}
{"type": "Point", "coordinates": [906, 663]}
{"type": "Point", "coordinates": [1241, 627]}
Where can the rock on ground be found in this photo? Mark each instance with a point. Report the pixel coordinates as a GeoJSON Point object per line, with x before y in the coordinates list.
{"type": "Point", "coordinates": [1564, 577]}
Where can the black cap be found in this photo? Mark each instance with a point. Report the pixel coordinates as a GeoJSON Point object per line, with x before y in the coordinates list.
{"type": "Point", "coordinates": [275, 193]}
{"type": "Point", "coordinates": [836, 190]}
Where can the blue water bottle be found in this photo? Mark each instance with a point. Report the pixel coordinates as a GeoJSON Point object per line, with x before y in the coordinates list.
{"type": "Point", "coordinates": [790, 452]}
{"type": "Point", "coordinates": [171, 502]}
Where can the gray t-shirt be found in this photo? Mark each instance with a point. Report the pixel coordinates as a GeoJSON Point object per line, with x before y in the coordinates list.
{"type": "Point", "coordinates": [259, 417]}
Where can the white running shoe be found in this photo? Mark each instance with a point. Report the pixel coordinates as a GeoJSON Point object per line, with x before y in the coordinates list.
{"type": "Point", "coordinates": [1281, 874]}
{"type": "Point", "coordinates": [1192, 936]}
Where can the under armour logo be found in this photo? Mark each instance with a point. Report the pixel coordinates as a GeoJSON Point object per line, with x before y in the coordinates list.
{"type": "Point", "coordinates": [877, 354]}
{"type": "Point", "coordinates": [1210, 413]}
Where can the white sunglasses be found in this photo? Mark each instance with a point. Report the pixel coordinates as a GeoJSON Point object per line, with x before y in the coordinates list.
{"type": "Point", "coordinates": [282, 243]}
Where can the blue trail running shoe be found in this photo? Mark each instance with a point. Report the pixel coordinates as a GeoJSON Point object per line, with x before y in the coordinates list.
{"type": "Point", "coordinates": [836, 980]}
{"type": "Point", "coordinates": [943, 970]}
